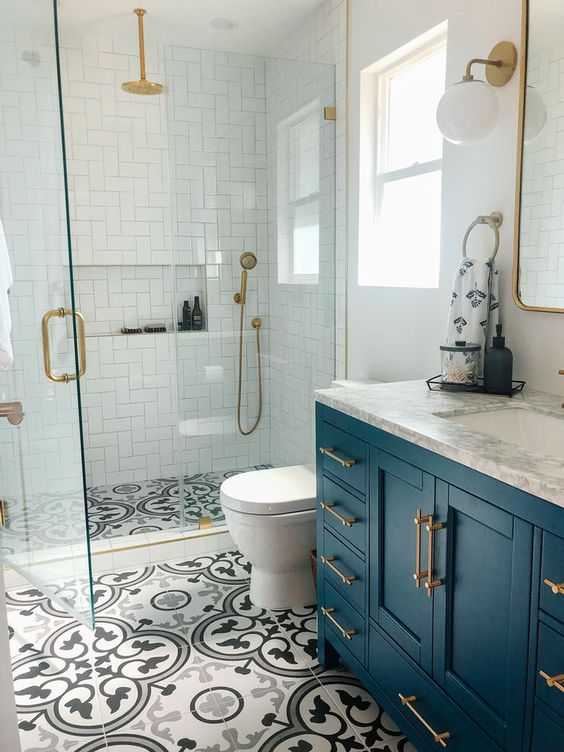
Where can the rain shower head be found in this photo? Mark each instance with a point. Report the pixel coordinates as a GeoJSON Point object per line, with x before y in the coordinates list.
{"type": "Point", "coordinates": [248, 260]}
{"type": "Point", "coordinates": [142, 86]}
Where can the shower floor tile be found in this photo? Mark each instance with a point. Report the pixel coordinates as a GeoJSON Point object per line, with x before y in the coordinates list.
{"type": "Point", "coordinates": [153, 505]}
{"type": "Point", "coordinates": [181, 660]}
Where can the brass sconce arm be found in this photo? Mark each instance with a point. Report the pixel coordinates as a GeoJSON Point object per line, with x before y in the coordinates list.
{"type": "Point", "coordinates": [500, 64]}
{"type": "Point", "coordinates": [479, 61]}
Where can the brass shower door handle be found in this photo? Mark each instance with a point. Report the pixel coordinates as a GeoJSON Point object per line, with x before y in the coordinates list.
{"type": "Point", "coordinates": [63, 313]}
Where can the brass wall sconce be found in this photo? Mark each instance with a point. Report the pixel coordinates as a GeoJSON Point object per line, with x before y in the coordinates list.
{"type": "Point", "coordinates": [468, 110]}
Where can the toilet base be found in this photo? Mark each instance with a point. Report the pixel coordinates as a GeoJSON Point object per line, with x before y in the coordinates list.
{"type": "Point", "coordinates": [276, 590]}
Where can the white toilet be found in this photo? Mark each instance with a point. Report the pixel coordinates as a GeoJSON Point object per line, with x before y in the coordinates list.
{"type": "Point", "coordinates": [271, 517]}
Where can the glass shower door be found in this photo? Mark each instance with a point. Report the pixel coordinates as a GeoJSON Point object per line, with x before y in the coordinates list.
{"type": "Point", "coordinates": [44, 531]}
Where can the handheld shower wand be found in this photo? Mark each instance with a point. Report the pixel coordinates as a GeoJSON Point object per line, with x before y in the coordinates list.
{"type": "Point", "coordinates": [248, 261]}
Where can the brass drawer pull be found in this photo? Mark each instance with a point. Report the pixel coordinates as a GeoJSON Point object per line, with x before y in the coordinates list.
{"type": "Point", "coordinates": [419, 574]}
{"type": "Point", "coordinates": [347, 522]}
{"type": "Point", "coordinates": [438, 738]}
{"type": "Point", "coordinates": [556, 587]}
{"type": "Point", "coordinates": [553, 681]}
{"type": "Point", "coordinates": [347, 579]}
{"type": "Point", "coordinates": [347, 633]}
{"type": "Point", "coordinates": [431, 583]}
{"type": "Point", "coordinates": [340, 460]}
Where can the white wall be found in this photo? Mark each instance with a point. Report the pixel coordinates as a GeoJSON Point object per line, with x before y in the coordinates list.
{"type": "Point", "coordinates": [396, 334]}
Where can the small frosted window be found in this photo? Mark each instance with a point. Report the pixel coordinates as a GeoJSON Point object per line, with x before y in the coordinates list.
{"type": "Point", "coordinates": [298, 196]}
{"type": "Point", "coordinates": [306, 239]}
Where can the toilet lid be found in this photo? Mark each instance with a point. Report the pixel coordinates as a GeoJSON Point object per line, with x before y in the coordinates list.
{"type": "Point", "coordinates": [276, 491]}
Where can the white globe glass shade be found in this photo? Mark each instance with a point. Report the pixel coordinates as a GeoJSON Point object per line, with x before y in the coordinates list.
{"type": "Point", "coordinates": [467, 112]}
{"type": "Point", "coordinates": [535, 115]}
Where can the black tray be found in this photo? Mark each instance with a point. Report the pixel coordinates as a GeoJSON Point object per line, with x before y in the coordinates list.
{"type": "Point", "coordinates": [437, 385]}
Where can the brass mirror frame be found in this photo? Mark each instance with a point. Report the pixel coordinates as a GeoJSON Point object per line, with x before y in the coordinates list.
{"type": "Point", "coordinates": [519, 177]}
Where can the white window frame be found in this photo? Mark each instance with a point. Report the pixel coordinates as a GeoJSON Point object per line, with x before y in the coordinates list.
{"type": "Point", "coordinates": [287, 206]}
{"type": "Point", "coordinates": [377, 175]}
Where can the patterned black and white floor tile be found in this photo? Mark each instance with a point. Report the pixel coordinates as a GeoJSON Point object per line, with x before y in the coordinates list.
{"type": "Point", "coordinates": [153, 505]}
{"type": "Point", "coordinates": [181, 660]}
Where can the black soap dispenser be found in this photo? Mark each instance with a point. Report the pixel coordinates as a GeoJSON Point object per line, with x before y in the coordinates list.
{"type": "Point", "coordinates": [498, 366]}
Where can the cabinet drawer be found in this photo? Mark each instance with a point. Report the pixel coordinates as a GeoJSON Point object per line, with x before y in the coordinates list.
{"type": "Point", "coordinates": [343, 513]}
{"type": "Point", "coordinates": [341, 618]}
{"type": "Point", "coordinates": [344, 570]}
{"type": "Point", "coordinates": [344, 449]}
{"type": "Point", "coordinates": [552, 569]}
{"type": "Point", "coordinates": [548, 736]}
{"type": "Point", "coordinates": [395, 675]}
{"type": "Point", "coordinates": [551, 663]}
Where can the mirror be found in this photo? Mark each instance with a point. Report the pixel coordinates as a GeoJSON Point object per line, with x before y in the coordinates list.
{"type": "Point", "coordinates": [539, 251]}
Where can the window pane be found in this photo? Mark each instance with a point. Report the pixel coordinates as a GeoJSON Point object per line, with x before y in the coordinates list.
{"type": "Point", "coordinates": [412, 134]}
{"type": "Point", "coordinates": [304, 157]}
{"type": "Point", "coordinates": [407, 235]}
{"type": "Point", "coordinates": [306, 239]}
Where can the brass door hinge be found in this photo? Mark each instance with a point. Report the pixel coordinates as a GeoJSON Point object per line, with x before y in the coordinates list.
{"type": "Point", "coordinates": [330, 113]}
{"type": "Point", "coordinates": [3, 515]}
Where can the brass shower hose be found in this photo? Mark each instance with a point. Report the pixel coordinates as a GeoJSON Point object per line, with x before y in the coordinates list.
{"type": "Point", "coordinates": [256, 323]}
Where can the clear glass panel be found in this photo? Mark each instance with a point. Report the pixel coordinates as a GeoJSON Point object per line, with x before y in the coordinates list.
{"type": "Point", "coordinates": [42, 484]}
{"type": "Point", "coordinates": [257, 120]}
{"type": "Point", "coordinates": [412, 133]}
{"type": "Point", "coordinates": [407, 254]}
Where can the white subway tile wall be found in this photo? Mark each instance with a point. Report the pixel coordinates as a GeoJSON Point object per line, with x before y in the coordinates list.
{"type": "Point", "coordinates": [165, 194]}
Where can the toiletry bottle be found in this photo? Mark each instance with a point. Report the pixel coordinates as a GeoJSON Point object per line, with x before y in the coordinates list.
{"type": "Point", "coordinates": [498, 366]}
{"type": "Point", "coordinates": [186, 317]}
{"type": "Point", "coordinates": [197, 317]}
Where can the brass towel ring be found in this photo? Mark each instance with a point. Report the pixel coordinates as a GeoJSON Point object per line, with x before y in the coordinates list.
{"type": "Point", "coordinates": [494, 220]}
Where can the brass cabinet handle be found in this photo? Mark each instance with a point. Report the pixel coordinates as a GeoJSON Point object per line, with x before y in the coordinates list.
{"type": "Point", "coordinates": [340, 460]}
{"type": "Point", "coordinates": [431, 583]}
{"type": "Point", "coordinates": [556, 587]}
{"type": "Point", "coordinates": [553, 681]}
{"type": "Point", "coordinates": [419, 574]}
{"type": "Point", "coordinates": [62, 313]}
{"type": "Point", "coordinates": [347, 633]}
{"type": "Point", "coordinates": [346, 579]}
{"type": "Point", "coordinates": [12, 411]}
{"type": "Point", "coordinates": [347, 522]}
{"type": "Point", "coordinates": [438, 738]}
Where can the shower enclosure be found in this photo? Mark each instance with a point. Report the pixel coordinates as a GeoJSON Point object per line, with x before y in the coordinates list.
{"type": "Point", "coordinates": [120, 207]}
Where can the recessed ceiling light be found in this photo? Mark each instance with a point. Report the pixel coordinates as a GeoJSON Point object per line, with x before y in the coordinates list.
{"type": "Point", "coordinates": [223, 24]}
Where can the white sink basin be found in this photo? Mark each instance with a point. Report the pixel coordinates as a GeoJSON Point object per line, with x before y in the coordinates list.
{"type": "Point", "coordinates": [520, 426]}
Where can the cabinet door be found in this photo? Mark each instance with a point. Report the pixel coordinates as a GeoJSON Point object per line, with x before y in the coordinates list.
{"type": "Point", "coordinates": [404, 611]}
{"type": "Point", "coordinates": [482, 612]}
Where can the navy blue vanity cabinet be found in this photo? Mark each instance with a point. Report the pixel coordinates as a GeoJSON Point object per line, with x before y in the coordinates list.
{"type": "Point", "coordinates": [400, 494]}
{"type": "Point", "coordinates": [454, 618]}
{"type": "Point", "coordinates": [483, 561]}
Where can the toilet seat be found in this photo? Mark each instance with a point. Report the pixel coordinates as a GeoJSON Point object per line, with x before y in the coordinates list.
{"type": "Point", "coordinates": [276, 491]}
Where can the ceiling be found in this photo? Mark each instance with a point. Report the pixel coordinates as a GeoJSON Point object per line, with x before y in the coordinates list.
{"type": "Point", "coordinates": [261, 24]}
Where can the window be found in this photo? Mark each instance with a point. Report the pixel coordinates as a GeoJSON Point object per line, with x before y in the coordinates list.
{"type": "Point", "coordinates": [401, 168]}
{"type": "Point", "coordinates": [298, 183]}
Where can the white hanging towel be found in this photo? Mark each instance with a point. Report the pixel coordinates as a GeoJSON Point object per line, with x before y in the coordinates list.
{"type": "Point", "coordinates": [6, 281]}
{"type": "Point", "coordinates": [474, 306]}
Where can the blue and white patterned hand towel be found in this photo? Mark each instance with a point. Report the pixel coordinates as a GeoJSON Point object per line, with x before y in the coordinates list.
{"type": "Point", "coordinates": [474, 306]}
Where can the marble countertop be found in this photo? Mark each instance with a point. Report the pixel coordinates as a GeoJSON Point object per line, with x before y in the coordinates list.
{"type": "Point", "coordinates": [410, 411]}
